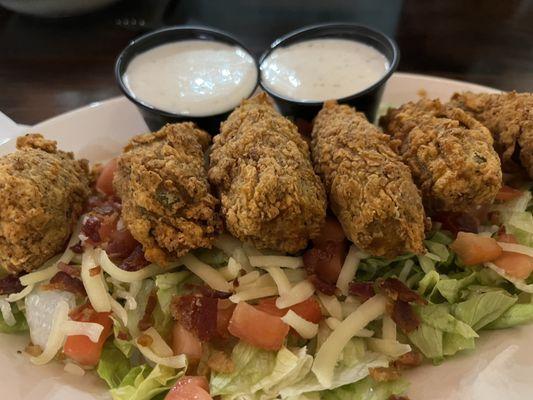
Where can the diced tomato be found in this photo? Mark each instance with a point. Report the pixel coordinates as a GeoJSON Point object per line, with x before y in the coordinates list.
{"type": "Point", "coordinates": [507, 193]}
{"type": "Point", "coordinates": [185, 342]}
{"type": "Point", "coordinates": [507, 238]}
{"type": "Point", "coordinates": [190, 388]}
{"type": "Point", "coordinates": [308, 309]}
{"type": "Point", "coordinates": [104, 183]}
{"type": "Point", "coordinates": [224, 312]}
{"type": "Point", "coordinates": [473, 249]}
{"type": "Point", "coordinates": [515, 264]}
{"type": "Point", "coordinates": [79, 347]}
{"type": "Point", "coordinates": [257, 327]}
{"type": "Point", "coordinates": [331, 232]}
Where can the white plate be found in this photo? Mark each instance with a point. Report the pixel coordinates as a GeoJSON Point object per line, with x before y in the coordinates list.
{"type": "Point", "coordinates": [497, 369]}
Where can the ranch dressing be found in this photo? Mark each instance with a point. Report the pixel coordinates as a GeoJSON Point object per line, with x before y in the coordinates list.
{"type": "Point", "coordinates": [322, 69]}
{"type": "Point", "coordinates": [192, 77]}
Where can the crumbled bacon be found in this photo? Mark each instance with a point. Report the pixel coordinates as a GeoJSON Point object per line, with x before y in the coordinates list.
{"type": "Point", "coordinates": [458, 222]}
{"type": "Point", "coordinates": [363, 290]}
{"type": "Point", "coordinates": [77, 248]}
{"type": "Point", "coordinates": [95, 271]}
{"type": "Point", "coordinates": [148, 319]}
{"type": "Point", "coordinates": [91, 227]}
{"type": "Point", "coordinates": [63, 281]}
{"type": "Point", "coordinates": [405, 317]}
{"type": "Point", "coordinates": [145, 340]}
{"type": "Point", "coordinates": [396, 397]}
{"type": "Point", "coordinates": [135, 261]}
{"type": "Point", "coordinates": [408, 360]}
{"type": "Point", "coordinates": [10, 284]}
{"type": "Point", "coordinates": [197, 314]}
{"type": "Point", "coordinates": [384, 374]}
{"type": "Point", "coordinates": [327, 288]}
{"type": "Point", "coordinates": [397, 290]}
{"type": "Point", "coordinates": [121, 244]}
{"type": "Point", "coordinates": [209, 292]}
{"type": "Point", "coordinates": [72, 270]}
{"type": "Point", "coordinates": [325, 261]}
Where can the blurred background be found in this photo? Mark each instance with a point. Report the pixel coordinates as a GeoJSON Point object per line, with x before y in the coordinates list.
{"type": "Point", "coordinates": [56, 55]}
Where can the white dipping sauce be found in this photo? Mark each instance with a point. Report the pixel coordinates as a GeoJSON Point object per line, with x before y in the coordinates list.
{"type": "Point", "coordinates": [192, 77]}
{"type": "Point", "coordinates": [322, 69]}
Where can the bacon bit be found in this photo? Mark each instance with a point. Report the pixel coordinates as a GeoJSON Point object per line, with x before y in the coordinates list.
{"type": "Point", "coordinates": [145, 340]}
{"type": "Point", "coordinates": [397, 290]}
{"type": "Point", "coordinates": [33, 350]}
{"type": "Point", "coordinates": [327, 288]}
{"type": "Point", "coordinates": [10, 284]}
{"type": "Point", "coordinates": [507, 193]}
{"type": "Point", "coordinates": [77, 248]}
{"type": "Point", "coordinates": [396, 397]}
{"type": "Point", "coordinates": [72, 270]}
{"type": "Point", "coordinates": [91, 227]}
{"type": "Point", "coordinates": [82, 313]}
{"type": "Point", "coordinates": [458, 222]}
{"type": "Point", "coordinates": [408, 360]}
{"type": "Point", "coordinates": [197, 314]}
{"type": "Point", "coordinates": [65, 282]}
{"type": "Point", "coordinates": [95, 271]}
{"type": "Point", "coordinates": [123, 335]}
{"type": "Point", "coordinates": [121, 244]}
{"type": "Point", "coordinates": [220, 362]}
{"type": "Point", "coordinates": [404, 316]}
{"type": "Point", "coordinates": [147, 320]}
{"type": "Point", "coordinates": [325, 261]}
{"type": "Point", "coordinates": [135, 261]}
{"type": "Point", "coordinates": [363, 290]}
{"type": "Point", "coordinates": [215, 294]}
{"type": "Point", "coordinates": [384, 374]}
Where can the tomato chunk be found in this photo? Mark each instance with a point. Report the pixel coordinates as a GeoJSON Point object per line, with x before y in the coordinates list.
{"type": "Point", "coordinates": [308, 309]}
{"type": "Point", "coordinates": [190, 388]}
{"type": "Point", "coordinates": [104, 183]}
{"type": "Point", "coordinates": [79, 347]}
{"type": "Point", "coordinates": [185, 342]}
{"type": "Point", "coordinates": [515, 264]}
{"type": "Point", "coordinates": [507, 193]}
{"type": "Point", "coordinates": [257, 327]}
{"type": "Point", "coordinates": [473, 249]}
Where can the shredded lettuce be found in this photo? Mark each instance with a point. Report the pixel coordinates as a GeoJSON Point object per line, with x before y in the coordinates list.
{"type": "Point", "coordinates": [517, 314]}
{"type": "Point", "coordinates": [113, 365]}
{"type": "Point", "coordinates": [367, 389]}
{"type": "Point", "coordinates": [482, 309]}
{"type": "Point", "coordinates": [20, 325]}
{"type": "Point", "coordinates": [144, 382]}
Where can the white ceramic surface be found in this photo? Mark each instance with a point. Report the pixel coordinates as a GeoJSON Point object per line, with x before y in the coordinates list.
{"type": "Point", "coordinates": [55, 8]}
{"type": "Point", "coordinates": [500, 368]}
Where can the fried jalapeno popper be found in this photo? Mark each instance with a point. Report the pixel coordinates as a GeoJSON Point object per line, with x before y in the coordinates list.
{"type": "Point", "coordinates": [370, 190]}
{"type": "Point", "coordinates": [450, 154]}
{"type": "Point", "coordinates": [42, 195]}
{"type": "Point", "coordinates": [509, 117]}
{"type": "Point", "coordinates": [260, 164]}
{"type": "Point", "coordinates": [167, 203]}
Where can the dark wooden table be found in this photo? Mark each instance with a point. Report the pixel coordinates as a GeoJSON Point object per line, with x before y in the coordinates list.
{"type": "Point", "coordinates": [49, 66]}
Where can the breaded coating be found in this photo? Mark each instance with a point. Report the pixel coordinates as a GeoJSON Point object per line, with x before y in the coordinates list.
{"type": "Point", "coordinates": [450, 154]}
{"type": "Point", "coordinates": [167, 203]}
{"type": "Point", "coordinates": [370, 190]}
{"type": "Point", "coordinates": [42, 194]}
{"type": "Point", "coordinates": [509, 117]}
{"type": "Point", "coordinates": [261, 166]}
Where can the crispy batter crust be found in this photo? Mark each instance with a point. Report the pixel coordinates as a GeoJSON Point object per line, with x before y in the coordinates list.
{"type": "Point", "coordinates": [370, 190]}
{"type": "Point", "coordinates": [167, 201]}
{"type": "Point", "coordinates": [261, 166]}
{"type": "Point", "coordinates": [509, 117]}
{"type": "Point", "coordinates": [42, 194]}
{"type": "Point", "coordinates": [450, 154]}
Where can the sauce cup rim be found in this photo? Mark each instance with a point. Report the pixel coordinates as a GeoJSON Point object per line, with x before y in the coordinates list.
{"type": "Point", "coordinates": [195, 32]}
{"type": "Point", "coordinates": [301, 35]}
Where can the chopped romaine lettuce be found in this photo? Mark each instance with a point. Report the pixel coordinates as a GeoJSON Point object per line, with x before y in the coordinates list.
{"type": "Point", "coordinates": [367, 389]}
{"type": "Point", "coordinates": [20, 325]}
{"type": "Point", "coordinates": [482, 309]}
{"type": "Point", "coordinates": [113, 365]}
{"type": "Point", "coordinates": [518, 314]}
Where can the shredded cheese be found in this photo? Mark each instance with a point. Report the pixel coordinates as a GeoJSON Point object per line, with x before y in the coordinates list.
{"type": "Point", "coordinates": [127, 276]}
{"type": "Point", "coordinates": [349, 269]}
{"type": "Point", "coordinates": [406, 270]}
{"type": "Point", "coordinates": [119, 311]}
{"type": "Point", "coordinates": [57, 335]}
{"type": "Point", "coordinates": [176, 362]}
{"type": "Point", "coordinates": [329, 352]}
{"type": "Point", "coordinates": [263, 281]}
{"type": "Point", "coordinates": [331, 304]}
{"type": "Point", "coordinates": [305, 329]}
{"type": "Point", "coordinates": [48, 270]}
{"type": "Point", "coordinates": [516, 248]}
{"type": "Point", "coordinates": [90, 329]}
{"type": "Point", "coordinates": [349, 305]}
{"type": "Point", "coordinates": [389, 328]}
{"type": "Point", "coordinates": [240, 256]}
{"type": "Point", "coordinates": [74, 369]}
{"type": "Point", "coordinates": [254, 293]}
{"type": "Point", "coordinates": [94, 283]}
{"type": "Point", "coordinates": [333, 323]}
{"type": "Point", "coordinates": [205, 272]}
{"type": "Point", "coordinates": [299, 292]}
{"type": "Point", "coordinates": [519, 283]}
{"type": "Point", "coordinates": [231, 271]}
{"type": "Point", "coordinates": [7, 313]}
{"type": "Point", "coordinates": [276, 261]}
{"type": "Point", "coordinates": [13, 297]}
{"type": "Point", "coordinates": [390, 348]}
{"type": "Point", "coordinates": [227, 243]}
{"type": "Point", "coordinates": [158, 346]}
{"type": "Point", "coordinates": [280, 279]}
{"type": "Point", "coordinates": [248, 278]}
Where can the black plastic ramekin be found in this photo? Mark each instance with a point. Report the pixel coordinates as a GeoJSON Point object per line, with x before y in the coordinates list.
{"type": "Point", "coordinates": [154, 117]}
{"type": "Point", "coordinates": [367, 100]}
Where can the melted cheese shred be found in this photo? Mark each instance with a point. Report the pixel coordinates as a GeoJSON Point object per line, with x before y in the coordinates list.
{"type": "Point", "coordinates": [330, 351]}
{"type": "Point", "coordinates": [205, 272]}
